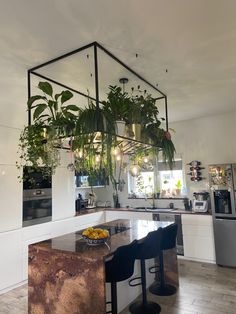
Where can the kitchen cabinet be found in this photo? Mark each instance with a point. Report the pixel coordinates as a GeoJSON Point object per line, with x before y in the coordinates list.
{"type": "Point", "coordinates": [113, 215]}
{"type": "Point", "coordinates": [63, 194]}
{"type": "Point", "coordinates": [198, 237]}
{"type": "Point", "coordinates": [11, 259]}
{"type": "Point", "coordinates": [84, 221]}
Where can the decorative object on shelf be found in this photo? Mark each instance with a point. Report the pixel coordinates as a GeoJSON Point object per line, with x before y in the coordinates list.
{"type": "Point", "coordinates": [93, 128]}
{"type": "Point", "coordinates": [195, 171]}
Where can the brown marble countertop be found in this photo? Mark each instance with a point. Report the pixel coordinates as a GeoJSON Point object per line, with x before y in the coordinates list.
{"type": "Point", "coordinates": [131, 209]}
{"type": "Point", "coordinates": [75, 244]}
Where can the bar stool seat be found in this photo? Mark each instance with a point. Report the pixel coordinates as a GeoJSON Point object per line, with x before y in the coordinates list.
{"type": "Point", "coordinates": [168, 242]}
{"type": "Point", "coordinates": [120, 267]}
{"type": "Point", "coordinates": [148, 247]}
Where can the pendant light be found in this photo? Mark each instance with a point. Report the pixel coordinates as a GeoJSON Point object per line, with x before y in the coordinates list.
{"type": "Point", "coordinates": [135, 170]}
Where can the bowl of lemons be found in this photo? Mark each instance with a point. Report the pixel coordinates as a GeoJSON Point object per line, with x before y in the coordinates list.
{"type": "Point", "coordinates": [95, 236]}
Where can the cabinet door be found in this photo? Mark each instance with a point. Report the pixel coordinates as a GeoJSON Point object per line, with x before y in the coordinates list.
{"type": "Point", "coordinates": [84, 221]}
{"type": "Point", "coordinates": [11, 259]}
{"type": "Point", "coordinates": [198, 237]}
{"type": "Point", "coordinates": [113, 215]}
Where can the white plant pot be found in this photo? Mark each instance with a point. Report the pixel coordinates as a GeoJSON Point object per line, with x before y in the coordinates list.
{"type": "Point", "coordinates": [120, 128]}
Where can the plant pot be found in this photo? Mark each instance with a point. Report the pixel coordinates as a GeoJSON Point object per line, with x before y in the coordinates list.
{"type": "Point", "coordinates": [136, 129]}
{"type": "Point", "coordinates": [128, 131]}
{"type": "Point", "coordinates": [177, 191]}
{"type": "Point", "coordinates": [120, 128]}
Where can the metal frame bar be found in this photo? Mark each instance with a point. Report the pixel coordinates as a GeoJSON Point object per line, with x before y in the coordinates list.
{"type": "Point", "coordinates": [95, 45]}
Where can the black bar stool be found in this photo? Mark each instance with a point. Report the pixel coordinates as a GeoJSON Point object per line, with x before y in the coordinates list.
{"type": "Point", "coordinates": [168, 242]}
{"type": "Point", "coordinates": [120, 267]}
{"type": "Point", "coordinates": [148, 247]}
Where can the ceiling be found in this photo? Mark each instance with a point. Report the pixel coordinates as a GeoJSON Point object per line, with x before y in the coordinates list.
{"type": "Point", "coordinates": [195, 40]}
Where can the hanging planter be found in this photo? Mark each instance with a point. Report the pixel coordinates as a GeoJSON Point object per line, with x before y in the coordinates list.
{"type": "Point", "coordinates": [120, 128]}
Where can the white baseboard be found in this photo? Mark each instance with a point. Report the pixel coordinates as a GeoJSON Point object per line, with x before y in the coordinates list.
{"type": "Point", "coordinates": [13, 287]}
{"type": "Point", "coordinates": [196, 259]}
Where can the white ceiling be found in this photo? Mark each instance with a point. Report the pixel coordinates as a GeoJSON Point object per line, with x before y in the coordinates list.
{"type": "Point", "coordinates": [194, 39]}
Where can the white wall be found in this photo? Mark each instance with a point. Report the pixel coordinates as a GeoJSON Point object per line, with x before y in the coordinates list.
{"type": "Point", "coordinates": [209, 140]}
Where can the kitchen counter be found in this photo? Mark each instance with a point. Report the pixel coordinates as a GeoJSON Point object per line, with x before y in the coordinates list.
{"type": "Point", "coordinates": [159, 210]}
{"type": "Point", "coordinates": [67, 276]}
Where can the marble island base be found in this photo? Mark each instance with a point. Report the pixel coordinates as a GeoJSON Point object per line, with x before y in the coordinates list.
{"type": "Point", "coordinates": [68, 276]}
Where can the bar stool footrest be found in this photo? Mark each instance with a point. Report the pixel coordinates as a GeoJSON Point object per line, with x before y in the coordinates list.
{"type": "Point", "coordinates": [154, 269]}
{"type": "Point", "coordinates": [145, 308]}
{"type": "Point", "coordinates": [135, 284]}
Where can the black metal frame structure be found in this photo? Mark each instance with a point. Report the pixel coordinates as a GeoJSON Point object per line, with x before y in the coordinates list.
{"type": "Point", "coordinates": [96, 46]}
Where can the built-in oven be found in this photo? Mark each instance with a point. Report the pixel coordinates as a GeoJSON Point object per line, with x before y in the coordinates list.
{"type": "Point", "coordinates": [37, 206]}
{"type": "Point", "coordinates": [176, 218]}
{"type": "Point", "coordinates": [37, 196]}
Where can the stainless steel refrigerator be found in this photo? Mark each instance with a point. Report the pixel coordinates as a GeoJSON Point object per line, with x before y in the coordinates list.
{"type": "Point", "coordinates": [223, 191]}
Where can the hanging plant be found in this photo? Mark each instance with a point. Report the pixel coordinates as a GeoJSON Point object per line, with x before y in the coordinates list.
{"type": "Point", "coordinates": [37, 148]}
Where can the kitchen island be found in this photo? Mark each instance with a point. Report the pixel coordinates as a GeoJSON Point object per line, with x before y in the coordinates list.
{"type": "Point", "coordinates": [68, 276]}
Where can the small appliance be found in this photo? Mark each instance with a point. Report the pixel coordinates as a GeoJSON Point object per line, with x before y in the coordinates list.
{"type": "Point", "coordinates": [200, 206]}
{"type": "Point", "coordinates": [201, 202]}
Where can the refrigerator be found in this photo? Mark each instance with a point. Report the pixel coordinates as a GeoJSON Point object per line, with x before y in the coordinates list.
{"type": "Point", "coordinates": [222, 178]}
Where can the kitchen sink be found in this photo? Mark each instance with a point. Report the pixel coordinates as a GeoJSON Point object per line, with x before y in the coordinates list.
{"type": "Point", "coordinates": [156, 209]}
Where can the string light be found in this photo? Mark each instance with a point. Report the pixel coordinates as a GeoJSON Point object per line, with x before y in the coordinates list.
{"type": "Point", "coordinates": [135, 170]}
{"type": "Point", "coordinates": [97, 158]}
{"type": "Point", "coordinates": [145, 159]}
{"type": "Point", "coordinates": [116, 151]}
{"type": "Point", "coordinates": [118, 157]}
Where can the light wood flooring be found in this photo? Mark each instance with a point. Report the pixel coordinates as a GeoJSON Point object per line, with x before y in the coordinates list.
{"type": "Point", "coordinates": [204, 289]}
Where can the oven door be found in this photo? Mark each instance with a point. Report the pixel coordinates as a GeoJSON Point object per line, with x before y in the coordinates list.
{"type": "Point", "coordinates": [37, 209]}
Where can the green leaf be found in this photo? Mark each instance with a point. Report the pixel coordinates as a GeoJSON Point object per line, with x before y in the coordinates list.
{"type": "Point", "coordinates": [53, 104]}
{"type": "Point", "coordinates": [46, 88]}
{"type": "Point", "coordinates": [33, 99]}
{"type": "Point", "coordinates": [71, 107]}
{"type": "Point", "coordinates": [58, 95]}
{"type": "Point", "coordinates": [66, 95]}
{"type": "Point", "coordinates": [39, 110]}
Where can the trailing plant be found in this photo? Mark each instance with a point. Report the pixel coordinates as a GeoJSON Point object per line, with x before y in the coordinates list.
{"type": "Point", "coordinates": [37, 147]}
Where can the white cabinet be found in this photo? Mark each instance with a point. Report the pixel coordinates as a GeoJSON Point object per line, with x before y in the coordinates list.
{"type": "Point", "coordinates": [63, 194]}
{"type": "Point", "coordinates": [84, 221]}
{"type": "Point", "coordinates": [10, 198]}
{"type": "Point", "coordinates": [11, 259]}
{"type": "Point", "coordinates": [30, 235]}
{"type": "Point", "coordinates": [113, 215]}
{"type": "Point", "coordinates": [198, 237]}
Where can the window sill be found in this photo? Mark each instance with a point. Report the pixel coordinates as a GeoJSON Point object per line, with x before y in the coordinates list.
{"type": "Point", "coordinates": [159, 198]}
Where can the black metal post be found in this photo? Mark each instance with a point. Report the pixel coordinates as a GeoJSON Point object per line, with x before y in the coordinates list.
{"type": "Point", "coordinates": [96, 82]}
{"type": "Point", "coordinates": [29, 95]}
{"type": "Point", "coordinates": [166, 110]}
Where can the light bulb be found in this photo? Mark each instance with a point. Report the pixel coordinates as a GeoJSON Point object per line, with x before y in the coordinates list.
{"type": "Point", "coordinates": [97, 158]}
{"type": "Point", "coordinates": [79, 153]}
{"type": "Point", "coordinates": [146, 159]}
{"type": "Point", "coordinates": [118, 157]}
{"type": "Point", "coordinates": [135, 170]}
{"type": "Point", "coordinates": [116, 151]}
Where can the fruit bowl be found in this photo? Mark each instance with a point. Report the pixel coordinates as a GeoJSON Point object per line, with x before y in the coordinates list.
{"type": "Point", "coordinates": [95, 236]}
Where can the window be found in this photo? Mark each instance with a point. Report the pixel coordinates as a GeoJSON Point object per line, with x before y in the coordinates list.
{"type": "Point", "coordinates": [142, 185]}
{"type": "Point", "coordinates": [162, 181]}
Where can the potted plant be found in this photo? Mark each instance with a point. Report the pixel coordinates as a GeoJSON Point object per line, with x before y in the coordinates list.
{"type": "Point", "coordinates": [116, 108]}
{"type": "Point", "coordinates": [38, 144]}
{"type": "Point", "coordinates": [178, 187]}
{"type": "Point", "coordinates": [51, 111]}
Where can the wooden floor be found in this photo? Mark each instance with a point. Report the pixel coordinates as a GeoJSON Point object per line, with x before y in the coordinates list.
{"type": "Point", "coordinates": [204, 289]}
